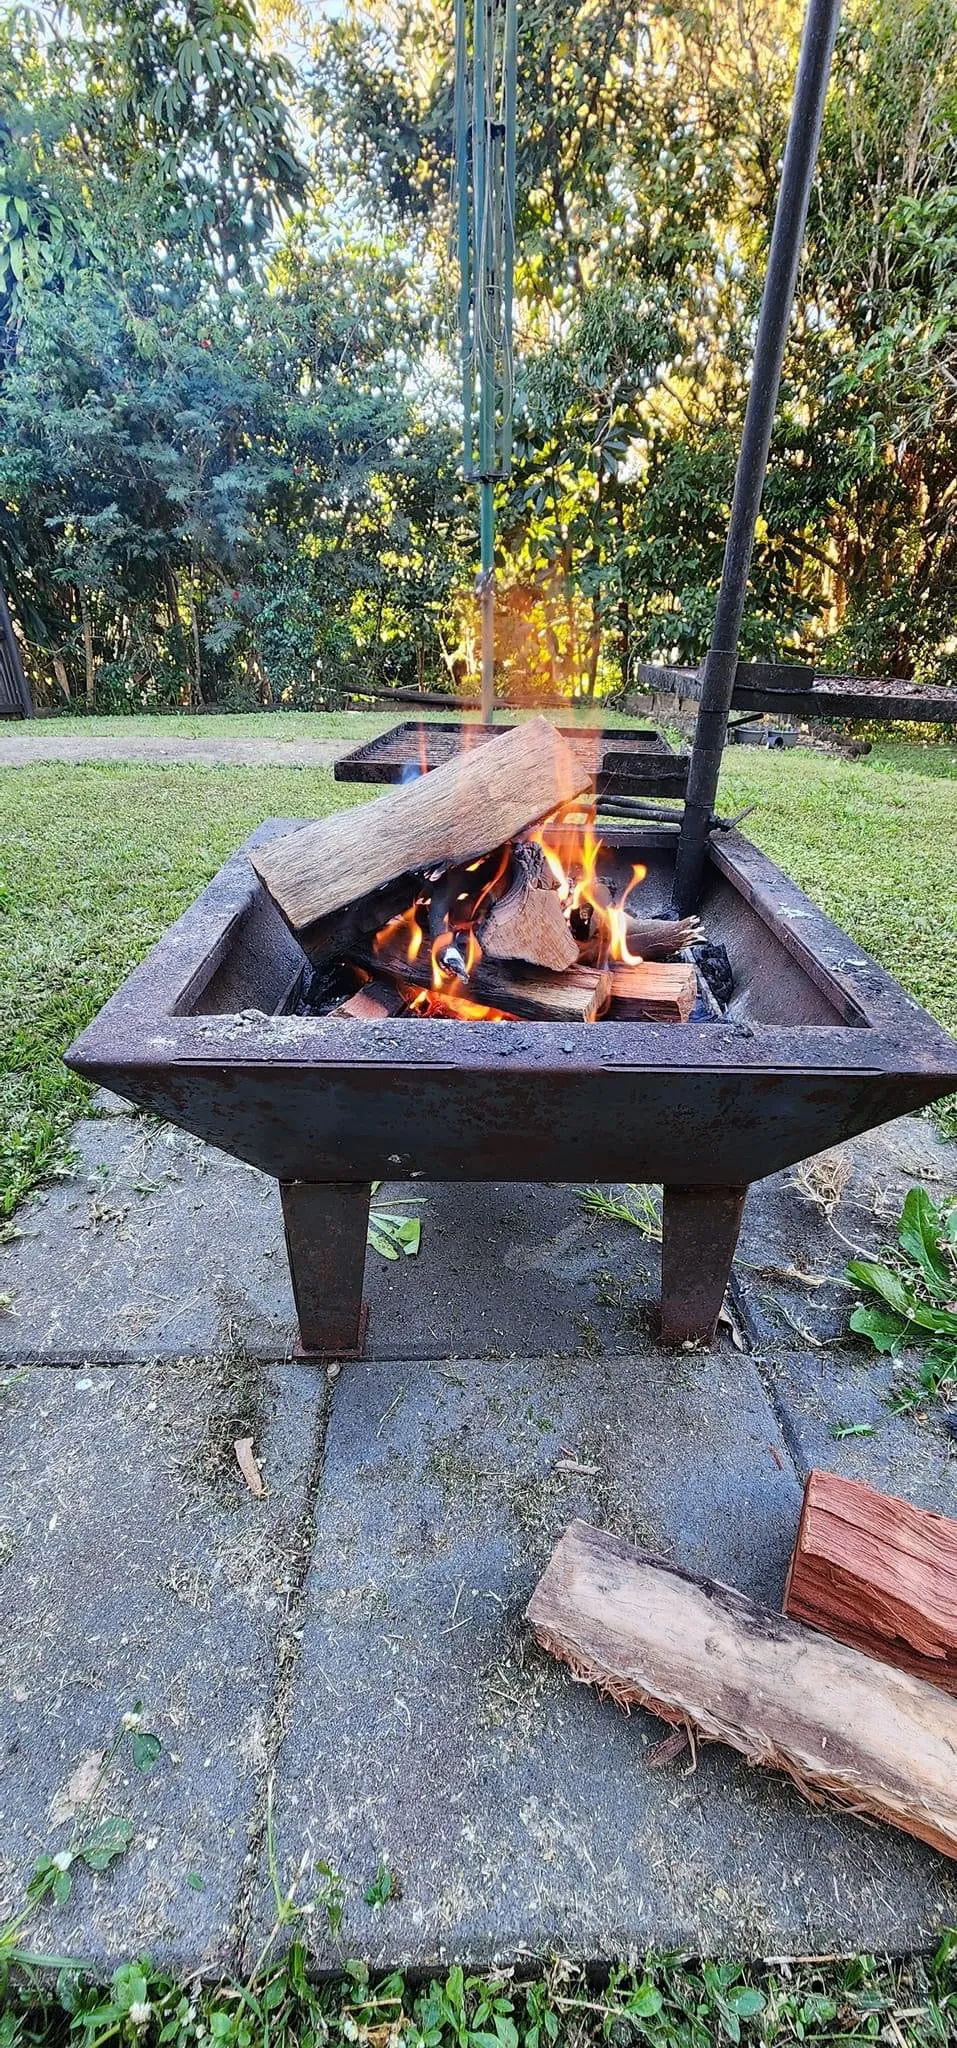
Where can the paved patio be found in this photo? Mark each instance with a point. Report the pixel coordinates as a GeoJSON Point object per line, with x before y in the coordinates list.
{"type": "Point", "coordinates": [347, 1652]}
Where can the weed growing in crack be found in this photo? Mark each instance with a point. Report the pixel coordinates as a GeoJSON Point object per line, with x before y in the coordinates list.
{"type": "Point", "coordinates": [96, 1843]}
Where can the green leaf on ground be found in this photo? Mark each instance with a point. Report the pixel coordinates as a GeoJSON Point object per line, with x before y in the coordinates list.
{"type": "Point", "coordinates": [110, 1839]}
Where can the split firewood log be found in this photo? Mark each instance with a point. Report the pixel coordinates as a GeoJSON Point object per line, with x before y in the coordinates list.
{"type": "Point", "coordinates": [654, 989]}
{"type": "Point", "coordinates": [471, 804]}
{"type": "Point", "coordinates": [653, 938]}
{"type": "Point", "coordinates": [878, 1573]}
{"type": "Point", "coordinates": [528, 922]}
{"type": "Point", "coordinates": [578, 996]}
{"type": "Point", "coordinates": [373, 1003]}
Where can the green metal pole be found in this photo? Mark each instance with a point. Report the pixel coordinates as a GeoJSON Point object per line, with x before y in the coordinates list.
{"type": "Point", "coordinates": [461, 123]}
{"type": "Point", "coordinates": [483, 59]}
{"type": "Point", "coordinates": [508, 226]}
{"type": "Point", "coordinates": [487, 597]}
{"type": "Point", "coordinates": [484, 125]}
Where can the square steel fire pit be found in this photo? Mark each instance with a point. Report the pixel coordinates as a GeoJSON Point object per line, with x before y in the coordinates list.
{"type": "Point", "coordinates": [819, 1044]}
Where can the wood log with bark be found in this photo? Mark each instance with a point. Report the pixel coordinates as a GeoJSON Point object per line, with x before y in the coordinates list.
{"type": "Point", "coordinates": [575, 997]}
{"type": "Point", "coordinates": [654, 990]}
{"type": "Point", "coordinates": [879, 1574]}
{"type": "Point", "coordinates": [455, 813]}
{"type": "Point", "coordinates": [702, 1656]}
{"type": "Point", "coordinates": [528, 922]}
{"type": "Point", "coordinates": [654, 938]}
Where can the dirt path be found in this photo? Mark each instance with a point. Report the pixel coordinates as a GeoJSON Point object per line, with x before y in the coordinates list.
{"type": "Point", "coordinates": [18, 750]}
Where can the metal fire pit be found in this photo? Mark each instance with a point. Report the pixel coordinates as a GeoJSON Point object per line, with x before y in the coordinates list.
{"type": "Point", "coordinates": [818, 1045]}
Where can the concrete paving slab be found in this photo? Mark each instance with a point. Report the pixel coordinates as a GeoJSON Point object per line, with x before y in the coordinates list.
{"type": "Point", "coordinates": [513, 1383]}
{"type": "Point", "coordinates": [424, 1730]}
{"type": "Point", "coordinates": [136, 1565]}
{"type": "Point", "coordinates": [161, 1245]}
{"type": "Point", "coordinates": [820, 1395]}
{"type": "Point", "coordinates": [786, 1231]}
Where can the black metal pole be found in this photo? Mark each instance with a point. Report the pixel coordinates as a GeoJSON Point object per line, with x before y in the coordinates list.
{"type": "Point", "coordinates": [800, 157]}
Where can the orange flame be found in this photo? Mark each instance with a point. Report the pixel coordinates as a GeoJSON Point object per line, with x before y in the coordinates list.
{"type": "Point", "coordinates": [406, 925]}
{"type": "Point", "coordinates": [580, 888]}
{"type": "Point", "coordinates": [585, 890]}
{"type": "Point", "coordinates": [617, 915]}
{"type": "Point", "coordinates": [447, 1002]}
{"type": "Point", "coordinates": [447, 996]}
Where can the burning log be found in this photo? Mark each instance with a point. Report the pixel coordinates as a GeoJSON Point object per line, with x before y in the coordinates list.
{"type": "Point", "coordinates": [704, 1657]}
{"type": "Point", "coordinates": [651, 938]}
{"type": "Point", "coordinates": [528, 922]}
{"type": "Point", "coordinates": [575, 997]}
{"type": "Point", "coordinates": [467, 807]}
{"type": "Point", "coordinates": [372, 1004]}
{"type": "Point", "coordinates": [879, 1574]}
{"type": "Point", "coordinates": [653, 989]}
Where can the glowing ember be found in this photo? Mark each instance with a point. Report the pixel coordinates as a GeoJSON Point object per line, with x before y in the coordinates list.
{"type": "Point", "coordinates": [449, 1002]}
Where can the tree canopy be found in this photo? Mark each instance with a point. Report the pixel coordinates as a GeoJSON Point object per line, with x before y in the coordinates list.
{"type": "Point", "coordinates": [229, 439]}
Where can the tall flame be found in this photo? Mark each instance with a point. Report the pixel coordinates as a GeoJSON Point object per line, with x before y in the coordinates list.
{"type": "Point", "coordinates": [583, 890]}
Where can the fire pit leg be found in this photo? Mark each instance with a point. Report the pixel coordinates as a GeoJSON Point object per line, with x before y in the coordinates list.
{"type": "Point", "coordinates": [326, 1224]}
{"type": "Point", "coordinates": [699, 1233]}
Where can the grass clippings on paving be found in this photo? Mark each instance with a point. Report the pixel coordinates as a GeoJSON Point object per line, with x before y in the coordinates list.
{"type": "Point", "coordinates": [96, 861]}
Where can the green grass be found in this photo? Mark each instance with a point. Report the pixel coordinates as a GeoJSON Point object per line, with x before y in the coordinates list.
{"type": "Point", "coordinates": [662, 2003]}
{"type": "Point", "coordinates": [275, 727]}
{"type": "Point", "coordinates": [872, 842]}
{"type": "Point", "coordinates": [95, 861]}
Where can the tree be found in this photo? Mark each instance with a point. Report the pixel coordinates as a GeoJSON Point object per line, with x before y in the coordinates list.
{"type": "Point", "coordinates": [171, 114]}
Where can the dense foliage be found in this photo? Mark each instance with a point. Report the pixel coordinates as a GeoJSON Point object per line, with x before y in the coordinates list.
{"type": "Point", "coordinates": [228, 433]}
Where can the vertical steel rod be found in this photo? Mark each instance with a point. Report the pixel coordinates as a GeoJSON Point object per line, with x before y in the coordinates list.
{"type": "Point", "coordinates": [509, 90]}
{"type": "Point", "coordinates": [486, 589]}
{"type": "Point", "coordinates": [800, 157]}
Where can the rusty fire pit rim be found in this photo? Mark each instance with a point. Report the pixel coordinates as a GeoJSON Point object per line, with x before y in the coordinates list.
{"type": "Point", "coordinates": [142, 1025]}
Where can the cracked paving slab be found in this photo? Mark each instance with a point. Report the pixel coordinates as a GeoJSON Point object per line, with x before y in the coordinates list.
{"type": "Point", "coordinates": [519, 1813]}
{"type": "Point", "coordinates": [162, 1245]}
{"type": "Point", "coordinates": [821, 1396]}
{"type": "Point", "coordinates": [136, 1565]}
